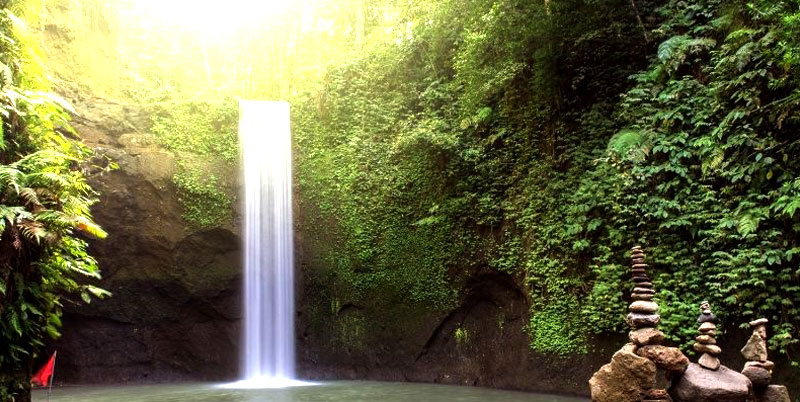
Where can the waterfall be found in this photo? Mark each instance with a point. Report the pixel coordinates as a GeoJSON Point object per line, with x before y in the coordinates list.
{"type": "Point", "coordinates": [268, 353]}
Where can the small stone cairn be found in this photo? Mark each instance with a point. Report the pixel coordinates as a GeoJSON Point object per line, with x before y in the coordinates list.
{"type": "Point", "coordinates": [758, 368]}
{"type": "Point", "coordinates": [632, 374]}
{"type": "Point", "coordinates": [706, 343]}
{"type": "Point", "coordinates": [643, 314]}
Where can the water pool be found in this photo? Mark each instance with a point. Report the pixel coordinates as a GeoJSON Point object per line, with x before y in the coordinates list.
{"type": "Point", "coordinates": [336, 391]}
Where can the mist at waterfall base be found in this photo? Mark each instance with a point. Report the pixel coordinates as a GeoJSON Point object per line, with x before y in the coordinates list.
{"type": "Point", "coordinates": [268, 356]}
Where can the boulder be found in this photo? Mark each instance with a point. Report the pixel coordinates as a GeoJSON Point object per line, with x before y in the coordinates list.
{"type": "Point", "coordinates": [625, 378]}
{"type": "Point", "coordinates": [667, 358]}
{"type": "Point", "coordinates": [701, 385]}
{"type": "Point", "coordinates": [774, 393]}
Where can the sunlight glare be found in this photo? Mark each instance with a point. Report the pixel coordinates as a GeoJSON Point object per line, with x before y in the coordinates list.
{"type": "Point", "coordinates": [209, 17]}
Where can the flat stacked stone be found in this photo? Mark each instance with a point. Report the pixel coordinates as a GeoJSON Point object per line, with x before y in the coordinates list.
{"type": "Point", "coordinates": [706, 341]}
{"type": "Point", "coordinates": [758, 369]}
{"type": "Point", "coordinates": [643, 314]}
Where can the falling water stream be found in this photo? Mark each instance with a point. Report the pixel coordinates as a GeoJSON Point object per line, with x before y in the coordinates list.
{"type": "Point", "coordinates": [268, 353]}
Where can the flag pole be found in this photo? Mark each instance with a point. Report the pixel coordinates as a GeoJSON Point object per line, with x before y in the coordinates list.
{"type": "Point", "coordinates": [52, 374]}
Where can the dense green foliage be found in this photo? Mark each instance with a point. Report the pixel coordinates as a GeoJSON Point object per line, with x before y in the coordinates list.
{"type": "Point", "coordinates": [44, 209]}
{"type": "Point", "coordinates": [543, 139]}
{"type": "Point", "coordinates": [203, 137]}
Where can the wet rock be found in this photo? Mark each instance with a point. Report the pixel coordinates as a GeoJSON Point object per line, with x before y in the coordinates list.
{"type": "Point", "coordinates": [700, 385]}
{"type": "Point", "coordinates": [624, 379]}
{"type": "Point", "coordinates": [667, 358]}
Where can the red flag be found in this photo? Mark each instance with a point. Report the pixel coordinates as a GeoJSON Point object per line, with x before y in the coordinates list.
{"type": "Point", "coordinates": [42, 377]}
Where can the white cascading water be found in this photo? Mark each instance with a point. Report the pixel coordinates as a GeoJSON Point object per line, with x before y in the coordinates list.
{"type": "Point", "coordinates": [268, 353]}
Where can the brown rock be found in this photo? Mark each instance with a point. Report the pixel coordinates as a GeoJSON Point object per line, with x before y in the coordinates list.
{"type": "Point", "coordinates": [760, 321]}
{"type": "Point", "coordinates": [642, 296]}
{"type": "Point", "coordinates": [637, 320]}
{"type": "Point", "coordinates": [709, 361]}
{"type": "Point", "coordinates": [759, 376]}
{"type": "Point", "coordinates": [624, 378]}
{"type": "Point", "coordinates": [712, 349]}
{"type": "Point", "coordinates": [646, 336]}
{"type": "Point", "coordinates": [667, 358]}
{"type": "Point", "coordinates": [646, 307]}
{"type": "Point", "coordinates": [774, 393]}
{"type": "Point", "coordinates": [706, 339]}
{"type": "Point", "coordinates": [755, 349]}
{"type": "Point", "coordinates": [768, 365]}
{"type": "Point", "coordinates": [707, 326]}
{"type": "Point", "coordinates": [700, 385]}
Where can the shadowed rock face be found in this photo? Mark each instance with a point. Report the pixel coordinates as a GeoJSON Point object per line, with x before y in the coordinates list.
{"type": "Point", "coordinates": [175, 306]}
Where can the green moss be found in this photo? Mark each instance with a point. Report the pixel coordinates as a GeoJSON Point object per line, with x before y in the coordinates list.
{"type": "Point", "coordinates": [203, 137]}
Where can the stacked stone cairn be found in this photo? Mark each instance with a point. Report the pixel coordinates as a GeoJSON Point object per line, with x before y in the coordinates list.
{"type": "Point", "coordinates": [632, 374]}
{"type": "Point", "coordinates": [706, 342]}
{"type": "Point", "coordinates": [708, 380]}
{"type": "Point", "coordinates": [643, 312]}
{"type": "Point", "coordinates": [758, 368]}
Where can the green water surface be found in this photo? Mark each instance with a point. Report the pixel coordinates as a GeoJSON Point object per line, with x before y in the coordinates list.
{"type": "Point", "coordinates": [337, 391]}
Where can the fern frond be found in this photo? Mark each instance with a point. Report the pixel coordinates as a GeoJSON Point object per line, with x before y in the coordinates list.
{"type": "Point", "coordinates": [32, 230]}
{"type": "Point", "coordinates": [29, 196]}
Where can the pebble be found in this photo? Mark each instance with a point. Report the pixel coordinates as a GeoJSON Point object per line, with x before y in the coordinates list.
{"type": "Point", "coordinates": [639, 266]}
{"type": "Point", "coordinates": [641, 296]}
{"type": "Point", "coordinates": [643, 290]}
{"type": "Point", "coordinates": [760, 321]}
